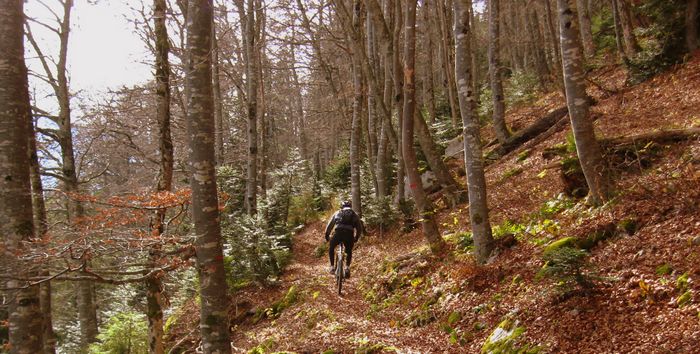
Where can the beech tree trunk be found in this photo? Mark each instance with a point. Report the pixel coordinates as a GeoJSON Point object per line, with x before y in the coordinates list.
{"type": "Point", "coordinates": [587, 147]}
{"type": "Point", "coordinates": [16, 219]}
{"type": "Point", "coordinates": [154, 286]}
{"type": "Point", "coordinates": [248, 20]}
{"type": "Point", "coordinates": [691, 25]}
{"type": "Point", "coordinates": [584, 18]}
{"type": "Point", "coordinates": [497, 95]}
{"type": "Point", "coordinates": [218, 98]}
{"type": "Point", "coordinates": [425, 209]}
{"type": "Point", "coordinates": [473, 156]}
{"type": "Point", "coordinates": [214, 320]}
{"type": "Point", "coordinates": [356, 134]}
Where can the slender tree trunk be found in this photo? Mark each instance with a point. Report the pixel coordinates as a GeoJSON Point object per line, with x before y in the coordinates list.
{"type": "Point", "coordinates": [691, 25]}
{"type": "Point", "coordinates": [555, 44]}
{"type": "Point", "coordinates": [214, 320]}
{"type": "Point", "coordinates": [587, 146]}
{"type": "Point", "coordinates": [40, 228]}
{"type": "Point", "coordinates": [497, 95]}
{"type": "Point", "coordinates": [630, 38]}
{"type": "Point", "coordinates": [16, 218]}
{"type": "Point", "coordinates": [154, 287]}
{"type": "Point", "coordinates": [450, 86]}
{"type": "Point", "coordinates": [425, 209]}
{"type": "Point", "coordinates": [429, 80]}
{"type": "Point", "coordinates": [584, 18]}
{"type": "Point", "coordinates": [251, 55]}
{"type": "Point", "coordinates": [399, 102]}
{"type": "Point", "coordinates": [218, 99]}
{"type": "Point", "coordinates": [473, 156]}
{"type": "Point", "coordinates": [618, 32]}
{"type": "Point", "coordinates": [356, 134]}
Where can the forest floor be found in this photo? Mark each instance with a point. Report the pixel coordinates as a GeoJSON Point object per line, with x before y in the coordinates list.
{"type": "Point", "coordinates": [645, 271]}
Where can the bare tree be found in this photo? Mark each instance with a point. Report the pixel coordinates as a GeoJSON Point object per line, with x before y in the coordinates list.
{"type": "Point", "coordinates": [67, 173]}
{"type": "Point", "coordinates": [587, 146]}
{"type": "Point", "coordinates": [16, 219]}
{"type": "Point", "coordinates": [214, 321]}
{"type": "Point", "coordinates": [473, 156]}
{"type": "Point", "coordinates": [425, 209]}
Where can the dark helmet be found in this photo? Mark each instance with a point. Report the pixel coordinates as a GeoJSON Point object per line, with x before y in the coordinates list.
{"type": "Point", "coordinates": [346, 204]}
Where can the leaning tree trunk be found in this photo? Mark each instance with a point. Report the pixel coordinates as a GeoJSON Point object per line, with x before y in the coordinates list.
{"type": "Point", "coordinates": [691, 25]}
{"type": "Point", "coordinates": [434, 159]}
{"type": "Point", "coordinates": [214, 320]}
{"type": "Point", "coordinates": [497, 95]}
{"type": "Point", "coordinates": [154, 286]}
{"type": "Point", "coordinates": [473, 156]}
{"type": "Point", "coordinates": [426, 210]}
{"type": "Point", "coordinates": [587, 146]}
{"type": "Point", "coordinates": [16, 220]}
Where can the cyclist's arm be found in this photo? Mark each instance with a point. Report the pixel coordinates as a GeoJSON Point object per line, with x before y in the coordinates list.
{"type": "Point", "coordinates": [329, 226]}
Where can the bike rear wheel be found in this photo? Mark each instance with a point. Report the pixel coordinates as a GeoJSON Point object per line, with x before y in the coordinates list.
{"type": "Point", "coordinates": [339, 265]}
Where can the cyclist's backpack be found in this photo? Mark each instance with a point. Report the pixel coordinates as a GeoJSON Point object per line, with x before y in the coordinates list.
{"type": "Point", "coordinates": [344, 217]}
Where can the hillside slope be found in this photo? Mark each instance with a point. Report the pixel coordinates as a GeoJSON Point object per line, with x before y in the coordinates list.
{"type": "Point", "coordinates": [643, 260]}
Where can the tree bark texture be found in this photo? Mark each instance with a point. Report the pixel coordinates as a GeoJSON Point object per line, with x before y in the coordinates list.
{"type": "Point", "coordinates": [154, 286]}
{"type": "Point", "coordinates": [473, 156]}
{"type": "Point", "coordinates": [587, 147]}
{"type": "Point", "coordinates": [218, 98]}
{"type": "Point", "coordinates": [496, 80]}
{"type": "Point", "coordinates": [16, 217]}
{"type": "Point", "coordinates": [214, 321]}
{"type": "Point", "coordinates": [618, 32]}
{"type": "Point", "coordinates": [425, 209]}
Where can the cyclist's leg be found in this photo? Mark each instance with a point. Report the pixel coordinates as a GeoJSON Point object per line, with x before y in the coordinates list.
{"type": "Point", "coordinates": [348, 242]}
{"type": "Point", "coordinates": [334, 242]}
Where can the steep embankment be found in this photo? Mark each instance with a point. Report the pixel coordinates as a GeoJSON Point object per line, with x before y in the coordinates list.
{"type": "Point", "coordinates": [643, 252]}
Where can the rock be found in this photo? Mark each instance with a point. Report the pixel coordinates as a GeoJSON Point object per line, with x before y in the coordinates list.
{"type": "Point", "coordinates": [454, 147]}
{"type": "Point", "coordinates": [429, 182]}
{"type": "Point", "coordinates": [502, 339]}
{"type": "Point", "coordinates": [561, 243]}
{"type": "Point", "coordinates": [695, 241]}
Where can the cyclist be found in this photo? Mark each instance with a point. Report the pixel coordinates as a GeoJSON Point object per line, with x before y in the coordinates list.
{"type": "Point", "coordinates": [348, 229]}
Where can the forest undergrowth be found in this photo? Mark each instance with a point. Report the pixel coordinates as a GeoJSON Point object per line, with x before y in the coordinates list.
{"type": "Point", "coordinates": [566, 279]}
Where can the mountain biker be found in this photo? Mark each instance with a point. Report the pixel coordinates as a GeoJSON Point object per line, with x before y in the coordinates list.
{"type": "Point", "coordinates": [348, 229]}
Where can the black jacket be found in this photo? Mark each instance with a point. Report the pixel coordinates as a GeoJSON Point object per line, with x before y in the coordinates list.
{"type": "Point", "coordinates": [356, 225]}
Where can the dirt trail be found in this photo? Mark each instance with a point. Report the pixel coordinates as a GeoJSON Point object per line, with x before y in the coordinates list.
{"type": "Point", "coordinates": [322, 320]}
